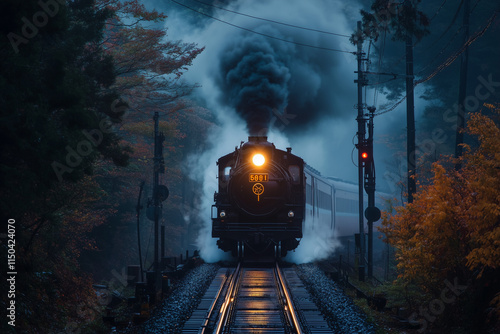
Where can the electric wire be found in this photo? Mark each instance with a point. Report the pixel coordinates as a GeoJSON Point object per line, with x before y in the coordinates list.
{"type": "Point", "coordinates": [446, 30]}
{"type": "Point", "coordinates": [431, 46]}
{"type": "Point", "coordinates": [400, 59]}
{"type": "Point", "coordinates": [454, 56]}
{"type": "Point", "coordinates": [368, 63]}
{"type": "Point", "coordinates": [474, 7]}
{"type": "Point", "coordinates": [272, 21]}
{"type": "Point", "coordinates": [382, 83]}
{"type": "Point", "coordinates": [262, 34]}
{"type": "Point", "coordinates": [381, 54]}
{"type": "Point", "coordinates": [149, 241]}
{"type": "Point", "coordinates": [437, 11]}
{"type": "Point", "coordinates": [448, 61]}
{"type": "Point", "coordinates": [440, 52]}
{"type": "Point", "coordinates": [352, 152]}
{"type": "Point", "coordinates": [391, 108]}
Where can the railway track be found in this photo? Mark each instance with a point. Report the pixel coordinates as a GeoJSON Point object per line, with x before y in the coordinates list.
{"type": "Point", "coordinates": [256, 300]}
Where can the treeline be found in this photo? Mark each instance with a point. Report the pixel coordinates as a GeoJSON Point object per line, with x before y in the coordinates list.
{"type": "Point", "coordinates": [79, 83]}
{"type": "Point", "coordinates": [446, 241]}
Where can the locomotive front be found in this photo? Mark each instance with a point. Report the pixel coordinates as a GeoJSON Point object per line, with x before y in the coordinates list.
{"type": "Point", "coordinates": [259, 206]}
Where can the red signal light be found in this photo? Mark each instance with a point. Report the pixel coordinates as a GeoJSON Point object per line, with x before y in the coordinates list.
{"type": "Point", "coordinates": [364, 155]}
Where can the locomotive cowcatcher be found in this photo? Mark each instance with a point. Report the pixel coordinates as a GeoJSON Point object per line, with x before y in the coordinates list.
{"type": "Point", "coordinates": [260, 203]}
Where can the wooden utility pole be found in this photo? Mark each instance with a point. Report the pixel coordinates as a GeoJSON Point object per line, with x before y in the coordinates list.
{"type": "Point", "coordinates": [410, 113]}
{"type": "Point", "coordinates": [462, 89]}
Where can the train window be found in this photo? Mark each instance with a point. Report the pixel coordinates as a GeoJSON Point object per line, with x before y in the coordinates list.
{"type": "Point", "coordinates": [308, 194]}
{"type": "Point", "coordinates": [325, 201]}
{"type": "Point", "coordinates": [347, 205]}
{"type": "Point", "coordinates": [227, 172]}
{"type": "Point", "coordinates": [294, 171]}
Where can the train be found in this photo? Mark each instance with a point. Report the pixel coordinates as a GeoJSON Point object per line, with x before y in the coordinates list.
{"type": "Point", "coordinates": [268, 198]}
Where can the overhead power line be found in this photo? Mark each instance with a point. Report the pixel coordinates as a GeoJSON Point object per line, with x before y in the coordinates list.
{"type": "Point", "coordinates": [453, 20]}
{"type": "Point", "coordinates": [474, 7]}
{"type": "Point", "coordinates": [454, 56]}
{"type": "Point", "coordinates": [437, 11]}
{"type": "Point", "coordinates": [262, 34]}
{"type": "Point", "coordinates": [448, 61]}
{"type": "Point", "coordinates": [440, 52]}
{"type": "Point", "coordinates": [272, 21]}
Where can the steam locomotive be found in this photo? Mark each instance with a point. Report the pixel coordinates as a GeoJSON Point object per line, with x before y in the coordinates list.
{"type": "Point", "coordinates": [268, 199]}
{"type": "Point", "coordinates": [260, 202]}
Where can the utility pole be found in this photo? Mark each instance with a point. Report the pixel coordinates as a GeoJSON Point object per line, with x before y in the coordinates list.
{"type": "Point", "coordinates": [366, 167]}
{"type": "Point", "coordinates": [372, 213]}
{"type": "Point", "coordinates": [158, 168]}
{"type": "Point", "coordinates": [361, 81]}
{"type": "Point", "coordinates": [138, 210]}
{"type": "Point", "coordinates": [369, 183]}
{"type": "Point", "coordinates": [462, 90]}
{"type": "Point", "coordinates": [410, 113]}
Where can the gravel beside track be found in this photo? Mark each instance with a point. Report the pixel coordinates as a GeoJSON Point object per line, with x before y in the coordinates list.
{"type": "Point", "coordinates": [342, 315]}
{"type": "Point", "coordinates": [177, 308]}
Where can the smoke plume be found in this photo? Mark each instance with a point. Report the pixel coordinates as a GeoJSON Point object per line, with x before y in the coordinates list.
{"type": "Point", "coordinates": [253, 80]}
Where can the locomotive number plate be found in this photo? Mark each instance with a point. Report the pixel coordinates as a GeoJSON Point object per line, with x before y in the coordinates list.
{"type": "Point", "coordinates": [258, 177]}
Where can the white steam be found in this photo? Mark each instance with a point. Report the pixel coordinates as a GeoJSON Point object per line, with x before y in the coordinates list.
{"type": "Point", "coordinates": [203, 166]}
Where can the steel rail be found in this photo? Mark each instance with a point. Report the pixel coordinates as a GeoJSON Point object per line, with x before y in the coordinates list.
{"type": "Point", "coordinates": [221, 322]}
{"type": "Point", "coordinates": [289, 307]}
{"type": "Point", "coordinates": [212, 307]}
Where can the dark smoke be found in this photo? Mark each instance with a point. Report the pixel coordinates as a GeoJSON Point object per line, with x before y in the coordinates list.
{"type": "Point", "coordinates": [254, 80]}
{"type": "Point", "coordinates": [263, 78]}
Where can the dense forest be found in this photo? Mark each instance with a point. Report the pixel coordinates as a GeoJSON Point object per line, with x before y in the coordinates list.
{"type": "Point", "coordinates": [80, 81]}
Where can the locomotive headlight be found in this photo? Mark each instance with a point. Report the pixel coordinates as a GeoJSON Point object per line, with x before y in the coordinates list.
{"type": "Point", "coordinates": [222, 214]}
{"type": "Point", "coordinates": [291, 214]}
{"type": "Point", "coordinates": [258, 159]}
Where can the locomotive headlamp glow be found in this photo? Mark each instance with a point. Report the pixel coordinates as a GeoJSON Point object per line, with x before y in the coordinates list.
{"type": "Point", "coordinates": [222, 214]}
{"type": "Point", "coordinates": [291, 214]}
{"type": "Point", "coordinates": [258, 159]}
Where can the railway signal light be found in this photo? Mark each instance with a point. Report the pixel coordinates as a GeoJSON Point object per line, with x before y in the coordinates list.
{"type": "Point", "coordinates": [365, 153]}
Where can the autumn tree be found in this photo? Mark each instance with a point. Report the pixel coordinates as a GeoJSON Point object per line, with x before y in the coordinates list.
{"type": "Point", "coordinates": [149, 68]}
{"type": "Point", "coordinates": [451, 231]}
{"type": "Point", "coordinates": [69, 71]}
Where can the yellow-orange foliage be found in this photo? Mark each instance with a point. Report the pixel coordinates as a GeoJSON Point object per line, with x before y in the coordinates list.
{"type": "Point", "coordinates": [453, 225]}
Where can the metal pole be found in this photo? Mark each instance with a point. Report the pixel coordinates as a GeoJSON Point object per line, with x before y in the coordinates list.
{"type": "Point", "coordinates": [156, 200]}
{"type": "Point", "coordinates": [361, 138]}
{"type": "Point", "coordinates": [370, 190]}
{"type": "Point", "coordinates": [162, 243]}
{"type": "Point", "coordinates": [138, 209]}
